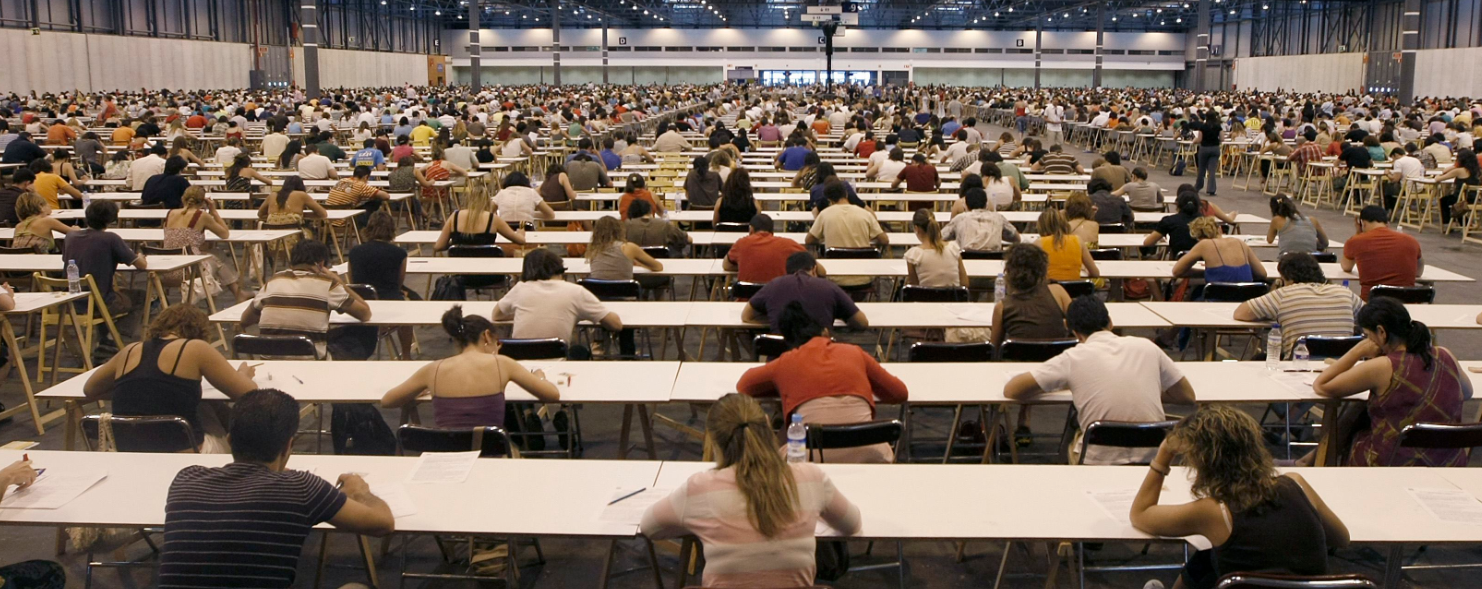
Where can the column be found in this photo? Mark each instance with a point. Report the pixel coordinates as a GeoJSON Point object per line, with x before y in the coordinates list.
{"type": "Point", "coordinates": [475, 51]}
{"type": "Point", "coordinates": [1036, 55]}
{"type": "Point", "coordinates": [555, 6]}
{"type": "Point", "coordinates": [1100, 34]}
{"type": "Point", "coordinates": [1409, 42]}
{"type": "Point", "coordinates": [1201, 46]}
{"type": "Point", "coordinates": [604, 48]}
{"type": "Point", "coordinates": [309, 18]}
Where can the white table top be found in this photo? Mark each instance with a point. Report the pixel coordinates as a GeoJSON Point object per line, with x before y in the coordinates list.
{"type": "Point", "coordinates": [31, 302]}
{"type": "Point", "coordinates": [1201, 314]}
{"type": "Point", "coordinates": [236, 235]}
{"type": "Point", "coordinates": [54, 263]}
{"type": "Point", "coordinates": [226, 214]}
{"type": "Point", "coordinates": [513, 266]}
{"type": "Point", "coordinates": [634, 314]}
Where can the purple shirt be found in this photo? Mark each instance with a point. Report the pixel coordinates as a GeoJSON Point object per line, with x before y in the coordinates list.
{"type": "Point", "coordinates": [822, 299]}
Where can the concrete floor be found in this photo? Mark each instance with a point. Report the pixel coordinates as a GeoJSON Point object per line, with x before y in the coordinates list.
{"type": "Point", "coordinates": [577, 563]}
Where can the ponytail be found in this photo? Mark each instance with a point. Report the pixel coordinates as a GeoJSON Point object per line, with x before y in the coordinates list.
{"type": "Point", "coordinates": [739, 435]}
{"type": "Point", "coordinates": [1418, 342]}
{"type": "Point", "coordinates": [927, 223]}
{"type": "Point", "coordinates": [466, 331]}
{"type": "Point", "coordinates": [1390, 313]}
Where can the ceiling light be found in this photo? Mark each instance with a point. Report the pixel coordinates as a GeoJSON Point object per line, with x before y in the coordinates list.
{"type": "Point", "coordinates": [1114, 19]}
{"type": "Point", "coordinates": [1178, 20]}
{"type": "Point", "coordinates": [1011, 9]}
{"type": "Point", "coordinates": [506, 13]}
{"type": "Point", "coordinates": [995, 15]}
{"type": "Point", "coordinates": [460, 17]}
{"type": "Point", "coordinates": [645, 13]}
{"type": "Point", "coordinates": [437, 13]}
{"type": "Point", "coordinates": [1067, 15]}
{"type": "Point", "coordinates": [412, 8]}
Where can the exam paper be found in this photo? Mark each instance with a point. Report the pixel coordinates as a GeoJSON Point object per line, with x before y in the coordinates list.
{"type": "Point", "coordinates": [1297, 382]}
{"type": "Point", "coordinates": [52, 490]}
{"type": "Point", "coordinates": [1116, 504]}
{"type": "Point", "coordinates": [631, 510]}
{"type": "Point", "coordinates": [970, 312]}
{"type": "Point", "coordinates": [1450, 505]}
{"type": "Point", "coordinates": [443, 467]}
{"type": "Point", "coordinates": [396, 497]}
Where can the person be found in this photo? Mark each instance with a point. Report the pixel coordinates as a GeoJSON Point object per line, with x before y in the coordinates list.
{"type": "Point", "coordinates": [1296, 232]}
{"type": "Point", "coordinates": [980, 228]}
{"type": "Point", "coordinates": [20, 184]}
{"type": "Point", "coordinates": [517, 202]}
{"type": "Point", "coordinates": [1409, 380]}
{"type": "Point", "coordinates": [144, 168]}
{"type": "Point", "coordinates": [1306, 304]}
{"type": "Point", "coordinates": [1002, 191]}
{"type": "Point", "coordinates": [557, 190]}
{"type": "Point", "coordinates": [92, 153]}
{"type": "Point", "coordinates": [827, 383]}
{"type": "Point", "coordinates": [1176, 226]}
{"type": "Point", "coordinates": [637, 189]}
{"type": "Point", "coordinates": [737, 202]}
{"type": "Point", "coordinates": [791, 159]}
{"type": "Point", "coordinates": [438, 169]}
{"type": "Point", "coordinates": [1068, 256]}
{"type": "Point", "coordinates": [760, 256]}
{"type": "Point", "coordinates": [286, 209]}
{"type": "Point", "coordinates": [1146, 378]}
{"type": "Point", "coordinates": [804, 283]}
{"type": "Point", "coordinates": [760, 512]}
{"type": "Point", "coordinates": [355, 192]}
{"type": "Point", "coordinates": [161, 375]}
{"type": "Point", "coordinates": [1080, 217]}
{"type": "Point", "coordinates": [669, 140]}
{"type": "Point", "coordinates": [289, 158]}
{"type": "Point", "coordinates": [51, 186]}
{"type": "Point", "coordinates": [1207, 158]}
{"type": "Point", "coordinates": [274, 143]}
{"type": "Point", "coordinates": [368, 156]}
{"type": "Point", "coordinates": [37, 227]}
{"type": "Point", "coordinates": [186, 228]}
{"type": "Point", "coordinates": [1111, 172]}
{"type": "Point", "coordinates": [1033, 308]}
{"type": "Point", "coordinates": [1226, 259]}
{"type": "Point", "coordinates": [240, 174]}
{"type": "Point", "coordinates": [299, 300]}
{"type": "Point", "coordinates": [1056, 161]}
{"type": "Point", "coordinates": [21, 150]}
{"type": "Point", "coordinates": [701, 186]}
{"type": "Point", "coordinates": [935, 263]}
{"type": "Point", "coordinates": [1382, 255]}
{"type": "Point", "coordinates": [245, 523]}
{"type": "Point", "coordinates": [888, 169]}
{"type": "Point", "coordinates": [467, 389]}
{"type": "Point", "coordinates": [823, 176]}
{"type": "Point", "coordinates": [612, 257]}
{"type": "Point", "coordinates": [478, 224]}
{"type": "Point", "coordinates": [1142, 194]}
{"type": "Point", "coordinates": [646, 229]}
{"type": "Point", "coordinates": [919, 176]}
{"type": "Point", "coordinates": [1255, 518]}
{"type": "Point", "coordinates": [1110, 209]}
{"type": "Point", "coordinates": [314, 165]}
{"type": "Point", "coordinates": [845, 225]}
{"type": "Point", "coordinates": [544, 305]}
{"type": "Point", "coordinates": [382, 265]}
{"type": "Point", "coordinates": [585, 174]}
{"type": "Point", "coordinates": [99, 252]}
{"type": "Point", "coordinates": [180, 148]}
{"type": "Point", "coordinates": [1465, 174]}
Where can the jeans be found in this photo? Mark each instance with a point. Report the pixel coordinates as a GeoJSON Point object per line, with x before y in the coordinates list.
{"type": "Point", "coordinates": [1208, 160]}
{"type": "Point", "coordinates": [1023, 124]}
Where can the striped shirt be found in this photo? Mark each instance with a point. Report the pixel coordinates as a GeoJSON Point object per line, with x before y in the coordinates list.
{"type": "Point", "coordinates": [241, 525]}
{"type": "Point", "coordinates": [349, 193]}
{"type": "Point", "coordinates": [295, 302]}
{"type": "Point", "coordinates": [1306, 309]}
{"type": "Point", "coordinates": [1058, 163]}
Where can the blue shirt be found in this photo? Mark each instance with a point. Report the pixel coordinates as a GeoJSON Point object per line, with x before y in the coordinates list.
{"type": "Point", "coordinates": [611, 160]}
{"type": "Point", "coordinates": [792, 157]}
{"type": "Point", "coordinates": [369, 156]}
{"type": "Point", "coordinates": [950, 127]}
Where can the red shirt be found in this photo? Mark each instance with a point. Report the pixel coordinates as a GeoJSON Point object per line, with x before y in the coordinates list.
{"type": "Point", "coordinates": [1384, 256]}
{"type": "Point", "coordinates": [196, 121]}
{"type": "Point", "coordinates": [920, 177]}
{"type": "Point", "coordinates": [760, 257]}
{"type": "Point", "coordinates": [866, 148]}
{"type": "Point", "coordinates": [822, 368]}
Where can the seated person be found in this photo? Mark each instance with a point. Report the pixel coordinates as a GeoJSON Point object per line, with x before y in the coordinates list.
{"type": "Point", "coordinates": [1306, 305]}
{"type": "Point", "coordinates": [1226, 259]}
{"type": "Point", "coordinates": [99, 252]}
{"type": "Point", "coordinates": [544, 305]}
{"type": "Point", "coordinates": [1382, 255]}
{"type": "Point", "coordinates": [299, 300]}
{"type": "Point", "coordinates": [760, 256]}
{"type": "Point", "coordinates": [803, 283]}
{"type": "Point", "coordinates": [980, 228]}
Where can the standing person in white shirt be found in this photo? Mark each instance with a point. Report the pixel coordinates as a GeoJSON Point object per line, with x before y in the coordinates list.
{"type": "Point", "coordinates": [1054, 115]}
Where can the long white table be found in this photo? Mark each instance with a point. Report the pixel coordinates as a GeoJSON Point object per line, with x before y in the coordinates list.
{"type": "Point", "coordinates": [248, 236]}
{"type": "Point", "coordinates": [1221, 315]}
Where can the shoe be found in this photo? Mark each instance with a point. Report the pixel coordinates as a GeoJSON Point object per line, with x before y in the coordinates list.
{"type": "Point", "coordinates": [1153, 584]}
{"type": "Point", "coordinates": [1023, 437]}
{"type": "Point", "coordinates": [1209, 194]}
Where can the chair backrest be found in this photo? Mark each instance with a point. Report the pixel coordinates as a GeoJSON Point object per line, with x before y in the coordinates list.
{"type": "Point", "coordinates": [854, 435]}
{"type": "Point", "coordinates": [927, 294]}
{"type": "Point", "coordinates": [656, 251]}
{"type": "Point", "coordinates": [365, 291]}
{"type": "Point", "coordinates": [139, 204]}
{"type": "Point", "coordinates": [768, 347]}
{"type": "Point", "coordinates": [1032, 351]}
{"type": "Point", "coordinates": [981, 255]}
{"type": "Point", "coordinates": [1325, 257]}
{"type": "Point", "coordinates": [533, 349]}
{"type": "Point", "coordinates": [1410, 295]}
{"type": "Point", "coordinates": [475, 251]}
{"type": "Point", "coordinates": [851, 253]}
{"type": "Point", "coordinates": [490, 441]}
{"type": "Point", "coordinates": [1234, 292]}
{"type": "Point", "coordinates": [1125, 434]}
{"type": "Point", "coordinates": [745, 290]}
{"type": "Point", "coordinates": [1327, 346]}
{"type": "Point", "coordinates": [16, 251]}
{"type": "Point", "coordinates": [732, 227]}
{"type": "Point", "coordinates": [150, 250]}
{"type": "Point", "coordinates": [613, 290]}
{"type": "Point", "coordinates": [1113, 228]}
{"type": "Point", "coordinates": [1107, 254]}
{"type": "Point", "coordinates": [1265, 581]}
{"type": "Point", "coordinates": [1077, 288]}
{"type": "Point", "coordinates": [944, 352]}
{"type": "Point", "coordinates": [163, 434]}
{"type": "Point", "coordinates": [1441, 435]}
{"type": "Point", "coordinates": [273, 345]}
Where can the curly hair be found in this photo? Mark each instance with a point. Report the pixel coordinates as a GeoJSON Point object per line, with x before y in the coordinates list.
{"type": "Point", "coordinates": [180, 320]}
{"type": "Point", "coordinates": [1025, 267]}
{"type": "Point", "coordinates": [1224, 448]}
{"type": "Point", "coordinates": [1205, 228]}
{"type": "Point", "coordinates": [1079, 206]}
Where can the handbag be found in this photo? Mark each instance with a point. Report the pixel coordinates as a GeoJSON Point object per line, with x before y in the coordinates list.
{"type": "Point", "coordinates": [1137, 289]}
{"type": "Point", "coordinates": [1178, 167]}
{"type": "Point", "coordinates": [448, 288]}
{"type": "Point", "coordinates": [831, 558]}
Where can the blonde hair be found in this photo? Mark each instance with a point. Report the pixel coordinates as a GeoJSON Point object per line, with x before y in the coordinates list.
{"type": "Point", "coordinates": [1052, 224]}
{"type": "Point", "coordinates": [605, 232]}
{"type": "Point", "coordinates": [1224, 448]}
{"type": "Point", "coordinates": [29, 205]}
{"type": "Point", "coordinates": [1204, 228]}
{"type": "Point", "coordinates": [194, 196]}
{"type": "Point", "coordinates": [926, 221]}
{"type": "Point", "coordinates": [739, 436]}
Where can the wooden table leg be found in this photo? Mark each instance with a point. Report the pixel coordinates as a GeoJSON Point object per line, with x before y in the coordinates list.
{"type": "Point", "coordinates": [20, 365]}
{"type": "Point", "coordinates": [647, 424]}
{"type": "Point", "coordinates": [625, 432]}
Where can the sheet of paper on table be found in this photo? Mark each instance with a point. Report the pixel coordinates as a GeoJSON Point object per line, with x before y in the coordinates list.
{"type": "Point", "coordinates": [443, 467]}
{"type": "Point", "coordinates": [970, 312]}
{"type": "Point", "coordinates": [52, 490]}
{"type": "Point", "coordinates": [1117, 504]}
{"type": "Point", "coordinates": [1297, 382]}
{"type": "Point", "coordinates": [396, 497]}
{"type": "Point", "coordinates": [1449, 505]}
{"type": "Point", "coordinates": [631, 509]}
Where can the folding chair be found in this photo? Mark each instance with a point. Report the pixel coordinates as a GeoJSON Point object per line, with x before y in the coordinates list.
{"type": "Point", "coordinates": [95, 312]}
{"type": "Point", "coordinates": [542, 349]}
{"type": "Point", "coordinates": [1409, 295]}
{"type": "Point", "coordinates": [1230, 292]}
{"type": "Point", "coordinates": [862, 291]}
{"type": "Point", "coordinates": [479, 283]}
{"type": "Point", "coordinates": [858, 435]}
{"type": "Point", "coordinates": [1266, 581]}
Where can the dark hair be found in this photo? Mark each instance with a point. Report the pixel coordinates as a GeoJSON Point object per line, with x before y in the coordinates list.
{"type": "Point", "coordinates": [1087, 315]}
{"type": "Point", "coordinates": [1299, 268]}
{"type": "Point", "coordinates": [40, 166]}
{"type": "Point", "coordinates": [309, 252]}
{"type": "Point", "coordinates": [1025, 266]}
{"type": "Point", "coordinates": [22, 176]}
{"type": "Point", "coordinates": [1140, 173]}
{"type": "Point", "coordinates": [801, 262]}
{"type": "Point", "coordinates": [174, 165]}
{"type": "Point", "coordinates": [1098, 185]}
{"type": "Point", "coordinates": [541, 264]}
{"type": "Point", "coordinates": [1113, 158]}
{"type": "Point", "coordinates": [380, 226]}
{"type": "Point", "coordinates": [1188, 203]}
{"type": "Point", "coordinates": [362, 172]}
{"type": "Point", "coordinates": [290, 184]}
{"type": "Point", "coordinates": [1467, 160]}
{"type": "Point", "coordinates": [263, 425]}
{"type": "Point", "coordinates": [969, 182]}
{"type": "Point", "coordinates": [100, 214]}
{"type": "Point", "coordinates": [976, 199]}
{"type": "Point", "coordinates": [635, 181]}
{"type": "Point", "coordinates": [834, 191]}
{"type": "Point", "coordinates": [823, 171]}
{"type": "Point", "coordinates": [516, 179]}
{"type": "Point", "coordinates": [465, 329]}
{"type": "Point", "coordinates": [1283, 206]}
{"type": "Point", "coordinates": [761, 222]}
{"type": "Point", "coordinates": [639, 208]}
{"type": "Point", "coordinates": [797, 326]}
{"type": "Point", "coordinates": [1374, 214]}
{"type": "Point", "coordinates": [1390, 313]}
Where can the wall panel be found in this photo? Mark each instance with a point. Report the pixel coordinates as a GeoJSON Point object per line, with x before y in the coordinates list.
{"type": "Point", "coordinates": [1448, 72]}
{"type": "Point", "coordinates": [53, 61]}
{"type": "Point", "coordinates": [1332, 72]}
{"type": "Point", "coordinates": [343, 68]}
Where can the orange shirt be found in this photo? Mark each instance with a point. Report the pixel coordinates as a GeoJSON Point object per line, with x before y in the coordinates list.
{"type": "Point", "coordinates": [822, 368]}
{"type": "Point", "coordinates": [60, 134]}
{"type": "Point", "coordinates": [122, 136]}
{"type": "Point", "coordinates": [628, 197]}
{"type": "Point", "coordinates": [821, 126]}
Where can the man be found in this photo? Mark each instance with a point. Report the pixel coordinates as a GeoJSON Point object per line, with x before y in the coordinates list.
{"type": "Point", "coordinates": [761, 256]}
{"type": "Point", "coordinates": [822, 299]}
{"type": "Point", "coordinates": [646, 229]}
{"type": "Point", "coordinates": [166, 188]}
{"type": "Point", "coordinates": [957, 150]}
{"type": "Point", "coordinates": [544, 305]}
{"type": "Point", "coordinates": [919, 176]}
{"type": "Point", "coordinates": [1145, 379]}
{"type": "Point", "coordinates": [244, 524]}
{"type": "Point", "coordinates": [98, 253]}
{"type": "Point", "coordinates": [328, 149]}
{"type": "Point", "coordinates": [370, 157]}
{"type": "Point", "coordinates": [1058, 162]}
{"type": "Point", "coordinates": [1054, 116]}
{"type": "Point", "coordinates": [5, 135]}
{"type": "Point", "coordinates": [890, 168]}
{"type": "Point", "coordinates": [1435, 146]}
{"type": "Point", "coordinates": [274, 143]}
{"type": "Point", "coordinates": [20, 183]}
{"type": "Point", "coordinates": [423, 134]}
{"type": "Point", "coordinates": [1305, 152]}
{"type": "Point", "coordinates": [981, 228]}
{"type": "Point", "coordinates": [583, 147]}
{"type": "Point", "coordinates": [298, 301]}
{"type": "Point", "coordinates": [356, 192]}
{"type": "Point", "coordinates": [846, 225]}
{"type": "Point", "coordinates": [670, 140]}
{"type": "Point", "coordinates": [1307, 305]}
{"type": "Point", "coordinates": [1383, 256]}
{"type": "Point", "coordinates": [1405, 167]}
{"type": "Point", "coordinates": [60, 134]}
{"type": "Point", "coordinates": [587, 174]}
{"type": "Point", "coordinates": [792, 158]}
{"type": "Point", "coordinates": [228, 152]}
{"type": "Point", "coordinates": [22, 150]}
{"type": "Point", "coordinates": [313, 166]}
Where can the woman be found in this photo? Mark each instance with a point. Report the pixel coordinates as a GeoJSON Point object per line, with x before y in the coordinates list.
{"type": "Point", "coordinates": [934, 263]}
{"type": "Point", "coordinates": [362, 133]}
{"type": "Point", "coordinates": [1080, 214]}
{"type": "Point", "coordinates": [722, 162]}
{"type": "Point", "coordinates": [485, 152]}
{"type": "Point", "coordinates": [288, 160]}
{"type": "Point", "coordinates": [637, 190]}
{"type": "Point", "coordinates": [467, 389]}
{"type": "Point", "coordinates": [1033, 307]}
{"type": "Point", "coordinates": [1275, 146]}
{"type": "Point", "coordinates": [1293, 231]}
{"type": "Point", "coordinates": [1409, 380]}
{"type": "Point", "coordinates": [1467, 175]}
{"type": "Point", "coordinates": [404, 178]}
{"type": "Point", "coordinates": [61, 162]}
{"type": "Point", "coordinates": [1208, 157]}
{"type": "Point", "coordinates": [1226, 259]}
{"type": "Point", "coordinates": [758, 527]}
{"type": "Point", "coordinates": [286, 209]}
{"type": "Point", "coordinates": [633, 153]}
{"type": "Point", "coordinates": [240, 174]}
{"type": "Point", "coordinates": [1376, 151]}
{"type": "Point", "coordinates": [36, 226]}
{"type": "Point", "coordinates": [91, 152]}
{"type": "Point", "coordinates": [701, 186]}
{"type": "Point", "coordinates": [1256, 519]}
{"type": "Point", "coordinates": [436, 171]}
{"type": "Point", "coordinates": [186, 228]}
{"type": "Point", "coordinates": [557, 190]}
{"type": "Point", "coordinates": [181, 147]}
{"type": "Point", "coordinates": [476, 225]}
{"type": "Point", "coordinates": [118, 165]}
{"type": "Point", "coordinates": [612, 257]}
{"type": "Point", "coordinates": [807, 175]}
{"type": "Point", "coordinates": [162, 376]}
{"type": "Point", "coordinates": [1002, 192]}
{"type": "Point", "coordinates": [518, 203]}
{"type": "Point", "coordinates": [825, 382]}
{"type": "Point", "coordinates": [737, 201]}
{"type": "Point", "coordinates": [1176, 226]}
{"type": "Point", "coordinates": [1068, 255]}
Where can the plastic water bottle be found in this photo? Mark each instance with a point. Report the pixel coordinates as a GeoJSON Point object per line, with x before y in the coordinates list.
{"type": "Point", "coordinates": [87, 200]}
{"type": "Point", "coordinates": [1273, 347]}
{"type": "Point", "coordinates": [1000, 288]}
{"type": "Point", "coordinates": [797, 440]}
{"type": "Point", "coordinates": [1300, 355]}
{"type": "Point", "coordinates": [74, 277]}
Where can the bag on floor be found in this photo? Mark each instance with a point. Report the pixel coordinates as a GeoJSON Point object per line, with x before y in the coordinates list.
{"type": "Point", "coordinates": [448, 288]}
{"type": "Point", "coordinates": [1137, 289]}
{"type": "Point", "coordinates": [832, 560]}
{"type": "Point", "coordinates": [357, 429]}
{"type": "Point", "coordinates": [1178, 167]}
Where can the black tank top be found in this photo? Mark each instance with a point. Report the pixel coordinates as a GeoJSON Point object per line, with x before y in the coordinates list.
{"type": "Point", "coordinates": [1284, 538]}
{"type": "Point", "coordinates": [146, 390]}
{"type": "Point", "coordinates": [461, 238]}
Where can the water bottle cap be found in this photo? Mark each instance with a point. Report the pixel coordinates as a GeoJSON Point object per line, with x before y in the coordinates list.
{"type": "Point", "coordinates": [796, 418]}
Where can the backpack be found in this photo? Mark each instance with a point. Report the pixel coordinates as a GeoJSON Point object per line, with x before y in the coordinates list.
{"type": "Point", "coordinates": [448, 288]}
{"type": "Point", "coordinates": [1178, 167]}
{"type": "Point", "coordinates": [358, 429]}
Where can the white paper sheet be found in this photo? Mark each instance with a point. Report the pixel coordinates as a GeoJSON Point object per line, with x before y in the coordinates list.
{"type": "Point", "coordinates": [52, 490]}
{"type": "Point", "coordinates": [443, 467]}
{"type": "Point", "coordinates": [1449, 505]}
{"type": "Point", "coordinates": [1117, 504]}
{"type": "Point", "coordinates": [396, 497]}
{"type": "Point", "coordinates": [631, 510]}
{"type": "Point", "coordinates": [969, 312]}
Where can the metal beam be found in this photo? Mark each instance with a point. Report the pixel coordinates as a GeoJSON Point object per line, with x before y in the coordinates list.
{"type": "Point", "coordinates": [1037, 35]}
{"type": "Point", "coordinates": [604, 48]}
{"type": "Point", "coordinates": [1100, 34]}
{"type": "Point", "coordinates": [555, 10]}
{"type": "Point", "coordinates": [1409, 43]}
{"type": "Point", "coordinates": [475, 51]}
{"type": "Point", "coordinates": [309, 23]}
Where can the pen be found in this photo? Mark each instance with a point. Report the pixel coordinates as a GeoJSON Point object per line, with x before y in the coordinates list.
{"type": "Point", "coordinates": [1298, 370]}
{"type": "Point", "coordinates": [295, 377]}
{"type": "Point", "coordinates": [627, 496]}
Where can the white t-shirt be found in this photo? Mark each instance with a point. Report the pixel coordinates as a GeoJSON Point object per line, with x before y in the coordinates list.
{"type": "Point", "coordinates": [889, 170]}
{"type": "Point", "coordinates": [517, 204]}
{"type": "Point", "coordinates": [1000, 193]}
{"type": "Point", "coordinates": [1409, 166]}
{"type": "Point", "coordinates": [273, 145]}
{"type": "Point", "coordinates": [936, 269]}
{"type": "Point", "coordinates": [549, 308]}
{"type": "Point", "coordinates": [226, 153]}
{"type": "Point", "coordinates": [314, 167]}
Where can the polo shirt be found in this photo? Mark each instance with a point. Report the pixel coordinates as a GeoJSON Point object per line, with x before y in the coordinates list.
{"type": "Point", "coordinates": [295, 302]}
{"type": "Point", "coordinates": [1058, 163]}
{"type": "Point", "coordinates": [1306, 309]}
{"type": "Point", "coordinates": [762, 256]}
{"type": "Point", "coordinates": [920, 177]}
{"type": "Point", "coordinates": [98, 254]}
{"type": "Point", "coordinates": [823, 300]}
{"type": "Point", "coordinates": [819, 369]}
{"type": "Point", "coordinates": [241, 525]}
{"type": "Point", "coordinates": [423, 134]}
{"type": "Point", "coordinates": [549, 308]}
{"type": "Point", "coordinates": [1384, 256]}
{"type": "Point", "coordinates": [611, 160]}
{"type": "Point", "coordinates": [792, 157]}
{"type": "Point", "coordinates": [845, 225]}
{"type": "Point", "coordinates": [369, 156]}
{"type": "Point", "coordinates": [889, 169]}
{"type": "Point", "coordinates": [1142, 372]}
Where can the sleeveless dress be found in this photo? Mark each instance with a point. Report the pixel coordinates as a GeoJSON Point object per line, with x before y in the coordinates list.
{"type": "Point", "coordinates": [194, 242]}
{"type": "Point", "coordinates": [1033, 315]}
{"type": "Point", "coordinates": [147, 391]}
{"type": "Point", "coordinates": [1284, 537]}
{"type": "Point", "coordinates": [26, 237]}
{"type": "Point", "coordinates": [1413, 396]}
{"type": "Point", "coordinates": [1226, 272]}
